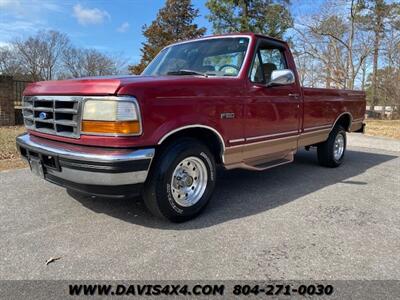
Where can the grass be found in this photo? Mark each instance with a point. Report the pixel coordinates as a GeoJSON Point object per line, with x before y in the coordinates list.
{"type": "Point", "coordinates": [9, 157]}
{"type": "Point", "coordinates": [387, 128]}
{"type": "Point", "coordinates": [9, 164]}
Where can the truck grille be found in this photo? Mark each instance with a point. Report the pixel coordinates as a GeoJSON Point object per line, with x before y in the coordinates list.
{"type": "Point", "coordinates": [57, 115]}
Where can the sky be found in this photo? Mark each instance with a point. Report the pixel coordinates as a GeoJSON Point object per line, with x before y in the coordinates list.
{"type": "Point", "coordinates": [111, 26]}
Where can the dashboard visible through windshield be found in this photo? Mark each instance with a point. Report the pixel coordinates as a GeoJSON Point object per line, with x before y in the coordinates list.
{"type": "Point", "coordinates": [208, 57]}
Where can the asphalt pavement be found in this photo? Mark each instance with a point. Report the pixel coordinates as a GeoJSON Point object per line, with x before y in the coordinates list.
{"type": "Point", "coordinates": [298, 221]}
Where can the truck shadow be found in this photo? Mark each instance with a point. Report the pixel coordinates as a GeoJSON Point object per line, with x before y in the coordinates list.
{"type": "Point", "coordinates": [241, 193]}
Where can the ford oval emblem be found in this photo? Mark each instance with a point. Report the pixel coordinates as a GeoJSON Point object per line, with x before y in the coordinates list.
{"type": "Point", "coordinates": [42, 115]}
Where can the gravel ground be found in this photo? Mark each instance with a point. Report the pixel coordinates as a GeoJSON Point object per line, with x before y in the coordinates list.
{"type": "Point", "coordinates": [298, 221]}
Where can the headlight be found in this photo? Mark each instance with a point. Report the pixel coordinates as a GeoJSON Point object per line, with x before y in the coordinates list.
{"type": "Point", "coordinates": [111, 117]}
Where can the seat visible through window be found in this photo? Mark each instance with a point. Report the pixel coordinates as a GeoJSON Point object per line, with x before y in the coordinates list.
{"type": "Point", "coordinates": [265, 62]}
{"type": "Point", "coordinates": [268, 68]}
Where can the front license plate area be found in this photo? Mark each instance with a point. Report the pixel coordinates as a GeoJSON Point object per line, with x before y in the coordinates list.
{"type": "Point", "coordinates": [36, 166]}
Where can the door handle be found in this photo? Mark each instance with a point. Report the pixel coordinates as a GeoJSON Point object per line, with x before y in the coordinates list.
{"type": "Point", "coordinates": [294, 95]}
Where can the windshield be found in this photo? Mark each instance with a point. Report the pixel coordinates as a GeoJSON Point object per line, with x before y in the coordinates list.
{"type": "Point", "coordinates": [209, 57]}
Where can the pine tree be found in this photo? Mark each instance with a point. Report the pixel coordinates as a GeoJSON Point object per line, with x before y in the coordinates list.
{"type": "Point", "coordinates": [174, 23]}
{"type": "Point", "coordinates": [377, 20]}
{"type": "Point", "coordinates": [271, 17]}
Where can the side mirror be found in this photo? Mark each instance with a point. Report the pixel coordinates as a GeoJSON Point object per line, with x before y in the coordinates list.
{"type": "Point", "coordinates": [281, 77]}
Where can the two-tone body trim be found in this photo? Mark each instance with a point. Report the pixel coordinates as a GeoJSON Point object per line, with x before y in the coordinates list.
{"type": "Point", "coordinates": [234, 141]}
{"type": "Point", "coordinates": [280, 134]}
{"type": "Point", "coordinates": [318, 127]}
{"type": "Point", "coordinates": [258, 145]}
{"type": "Point", "coordinates": [278, 143]}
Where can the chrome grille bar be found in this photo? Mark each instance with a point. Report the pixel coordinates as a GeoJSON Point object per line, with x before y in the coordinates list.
{"type": "Point", "coordinates": [57, 115]}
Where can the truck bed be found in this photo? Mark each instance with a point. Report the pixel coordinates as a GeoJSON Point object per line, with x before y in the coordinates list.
{"type": "Point", "coordinates": [322, 106]}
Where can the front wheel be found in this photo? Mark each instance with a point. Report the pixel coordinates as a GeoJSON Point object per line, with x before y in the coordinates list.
{"type": "Point", "coordinates": [331, 152]}
{"type": "Point", "coordinates": [181, 181]}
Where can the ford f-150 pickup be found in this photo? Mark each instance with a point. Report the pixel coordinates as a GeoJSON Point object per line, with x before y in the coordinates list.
{"type": "Point", "coordinates": [232, 100]}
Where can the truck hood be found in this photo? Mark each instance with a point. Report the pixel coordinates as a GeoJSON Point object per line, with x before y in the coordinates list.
{"type": "Point", "coordinates": [93, 85]}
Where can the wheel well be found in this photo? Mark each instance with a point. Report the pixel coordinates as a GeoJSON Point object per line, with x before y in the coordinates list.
{"type": "Point", "coordinates": [344, 121]}
{"type": "Point", "coordinates": [204, 135]}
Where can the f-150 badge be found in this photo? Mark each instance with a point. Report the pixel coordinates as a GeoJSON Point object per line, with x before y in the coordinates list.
{"type": "Point", "coordinates": [227, 115]}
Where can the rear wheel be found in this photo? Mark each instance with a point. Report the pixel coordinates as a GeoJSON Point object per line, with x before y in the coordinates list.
{"type": "Point", "coordinates": [331, 152]}
{"type": "Point", "coordinates": [181, 181]}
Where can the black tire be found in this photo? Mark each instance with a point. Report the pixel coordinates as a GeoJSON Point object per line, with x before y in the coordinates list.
{"type": "Point", "coordinates": [158, 195]}
{"type": "Point", "coordinates": [326, 150]}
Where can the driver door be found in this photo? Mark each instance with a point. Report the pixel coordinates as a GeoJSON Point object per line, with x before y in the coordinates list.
{"type": "Point", "coordinates": [272, 113]}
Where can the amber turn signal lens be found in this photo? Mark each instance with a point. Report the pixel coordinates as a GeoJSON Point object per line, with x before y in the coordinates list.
{"type": "Point", "coordinates": [111, 127]}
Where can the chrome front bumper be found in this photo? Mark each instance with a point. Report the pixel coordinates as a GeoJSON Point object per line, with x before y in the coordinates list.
{"type": "Point", "coordinates": [90, 169]}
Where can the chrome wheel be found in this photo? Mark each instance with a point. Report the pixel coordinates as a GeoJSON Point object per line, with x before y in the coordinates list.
{"type": "Point", "coordinates": [189, 181]}
{"type": "Point", "coordinates": [338, 147]}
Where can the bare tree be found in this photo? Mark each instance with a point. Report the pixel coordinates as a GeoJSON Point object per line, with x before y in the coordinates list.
{"type": "Point", "coordinates": [49, 55]}
{"type": "Point", "coordinates": [325, 54]}
{"type": "Point", "coordinates": [335, 38]}
{"type": "Point", "coordinates": [89, 62]}
{"type": "Point", "coordinates": [363, 74]}
{"type": "Point", "coordinates": [9, 64]}
{"type": "Point", "coordinates": [54, 46]}
{"type": "Point", "coordinates": [308, 68]}
{"type": "Point", "coordinates": [40, 55]}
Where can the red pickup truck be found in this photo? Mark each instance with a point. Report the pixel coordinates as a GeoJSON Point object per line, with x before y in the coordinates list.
{"type": "Point", "coordinates": [232, 100]}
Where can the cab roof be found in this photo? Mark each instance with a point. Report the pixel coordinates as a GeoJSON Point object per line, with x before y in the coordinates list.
{"type": "Point", "coordinates": [249, 34]}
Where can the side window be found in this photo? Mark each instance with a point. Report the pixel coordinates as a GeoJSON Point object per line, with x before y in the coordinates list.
{"type": "Point", "coordinates": [273, 56]}
{"type": "Point", "coordinates": [256, 74]}
{"type": "Point", "coordinates": [272, 59]}
{"type": "Point", "coordinates": [266, 61]}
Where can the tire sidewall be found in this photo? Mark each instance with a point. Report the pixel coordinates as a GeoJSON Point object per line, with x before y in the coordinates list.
{"type": "Point", "coordinates": [166, 203]}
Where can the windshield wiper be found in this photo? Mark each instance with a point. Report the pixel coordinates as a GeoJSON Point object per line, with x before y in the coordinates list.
{"type": "Point", "coordinates": [186, 72]}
